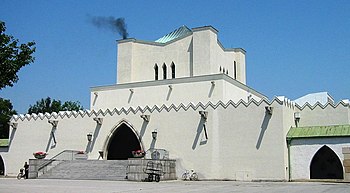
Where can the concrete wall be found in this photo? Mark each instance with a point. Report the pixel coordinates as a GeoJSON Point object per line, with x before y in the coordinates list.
{"type": "Point", "coordinates": [33, 134]}
{"type": "Point", "coordinates": [194, 55]}
{"type": "Point", "coordinates": [327, 114]}
{"type": "Point", "coordinates": [202, 89]}
{"type": "Point", "coordinates": [136, 60]}
{"type": "Point", "coordinates": [346, 163]}
{"type": "Point", "coordinates": [288, 121]}
{"type": "Point", "coordinates": [251, 144]}
{"type": "Point", "coordinates": [303, 150]}
{"type": "Point", "coordinates": [238, 136]}
{"type": "Point", "coordinates": [241, 141]}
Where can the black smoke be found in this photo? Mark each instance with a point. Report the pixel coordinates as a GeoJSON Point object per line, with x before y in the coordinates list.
{"type": "Point", "coordinates": [117, 25]}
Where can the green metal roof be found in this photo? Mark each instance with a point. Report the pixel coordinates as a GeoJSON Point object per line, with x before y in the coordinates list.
{"type": "Point", "coordinates": [4, 142]}
{"type": "Point", "coordinates": [178, 33]}
{"type": "Point", "coordinates": [319, 131]}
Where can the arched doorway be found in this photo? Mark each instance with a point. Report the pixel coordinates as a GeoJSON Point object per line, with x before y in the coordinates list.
{"type": "Point", "coordinates": [326, 165]}
{"type": "Point", "coordinates": [122, 142]}
{"type": "Point", "coordinates": [2, 166]}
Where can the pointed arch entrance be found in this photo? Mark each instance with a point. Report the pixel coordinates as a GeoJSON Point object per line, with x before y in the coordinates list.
{"type": "Point", "coordinates": [2, 166]}
{"type": "Point", "coordinates": [326, 165]}
{"type": "Point", "coordinates": [122, 141]}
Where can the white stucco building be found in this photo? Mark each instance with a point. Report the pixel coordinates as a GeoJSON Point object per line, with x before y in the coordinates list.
{"type": "Point", "coordinates": [192, 92]}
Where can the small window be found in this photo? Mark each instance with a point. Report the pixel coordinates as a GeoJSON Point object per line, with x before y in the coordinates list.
{"type": "Point", "coordinates": [155, 72]}
{"type": "Point", "coordinates": [164, 71]}
{"type": "Point", "coordinates": [234, 70]}
{"type": "Point", "coordinates": [172, 70]}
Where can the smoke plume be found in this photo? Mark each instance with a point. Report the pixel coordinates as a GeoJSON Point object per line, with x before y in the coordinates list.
{"type": "Point", "coordinates": [117, 25]}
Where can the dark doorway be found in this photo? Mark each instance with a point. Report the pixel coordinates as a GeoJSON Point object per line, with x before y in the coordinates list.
{"type": "Point", "coordinates": [2, 167]}
{"type": "Point", "coordinates": [326, 165]}
{"type": "Point", "coordinates": [122, 143]}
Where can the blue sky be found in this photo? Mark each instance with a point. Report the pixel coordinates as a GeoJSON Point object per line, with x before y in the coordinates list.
{"type": "Point", "coordinates": [293, 47]}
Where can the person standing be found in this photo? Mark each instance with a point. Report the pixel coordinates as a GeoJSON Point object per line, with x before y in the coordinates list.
{"type": "Point", "coordinates": [26, 170]}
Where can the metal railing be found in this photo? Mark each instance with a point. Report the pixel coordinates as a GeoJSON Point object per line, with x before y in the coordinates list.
{"type": "Point", "coordinates": [55, 160]}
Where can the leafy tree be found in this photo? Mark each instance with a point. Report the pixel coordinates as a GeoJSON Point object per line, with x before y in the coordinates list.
{"type": "Point", "coordinates": [49, 106]}
{"type": "Point", "coordinates": [72, 106]}
{"type": "Point", "coordinates": [6, 112]}
{"type": "Point", "coordinates": [12, 57]}
{"type": "Point", "coordinates": [45, 106]}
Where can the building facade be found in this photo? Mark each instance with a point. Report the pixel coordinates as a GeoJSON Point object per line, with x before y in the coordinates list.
{"type": "Point", "coordinates": [191, 92]}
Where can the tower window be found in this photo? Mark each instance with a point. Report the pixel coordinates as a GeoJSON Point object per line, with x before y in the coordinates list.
{"type": "Point", "coordinates": [155, 72]}
{"type": "Point", "coordinates": [164, 71]}
{"type": "Point", "coordinates": [172, 70]}
{"type": "Point", "coordinates": [234, 70]}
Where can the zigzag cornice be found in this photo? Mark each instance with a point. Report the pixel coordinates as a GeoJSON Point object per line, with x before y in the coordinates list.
{"type": "Point", "coordinates": [147, 108]}
{"type": "Point", "coordinates": [322, 106]}
{"type": "Point", "coordinates": [174, 107]}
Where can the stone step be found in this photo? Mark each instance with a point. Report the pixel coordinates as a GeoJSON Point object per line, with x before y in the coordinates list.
{"type": "Point", "coordinates": [88, 170]}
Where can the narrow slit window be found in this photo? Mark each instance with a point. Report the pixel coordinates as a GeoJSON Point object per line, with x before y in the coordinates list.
{"type": "Point", "coordinates": [164, 71]}
{"type": "Point", "coordinates": [234, 70]}
{"type": "Point", "coordinates": [155, 72]}
{"type": "Point", "coordinates": [172, 70]}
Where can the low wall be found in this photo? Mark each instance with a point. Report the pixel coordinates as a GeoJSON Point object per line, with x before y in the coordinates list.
{"type": "Point", "coordinates": [138, 169]}
{"type": "Point", "coordinates": [33, 167]}
{"type": "Point", "coordinates": [346, 163]}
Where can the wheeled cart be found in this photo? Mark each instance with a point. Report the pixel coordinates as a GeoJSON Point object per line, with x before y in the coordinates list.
{"type": "Point", "coordinates": [154, 171]}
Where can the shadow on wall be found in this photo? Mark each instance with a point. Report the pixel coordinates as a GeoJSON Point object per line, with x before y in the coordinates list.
{"type": "Point", "coordinates": [143, 129]}
{"type": "Point", "coordinates": [211, 89]}
{"type": "Point", "coordinates": [13, 132]}
{"type": "Point", "coordinates": [264, 125]}
{"type": "Point", "coordinates": [52, 139]}
{"type": "Point", "coordinates": [200, 127]}
{"type": "Point", "coordinates": [131, 94]}
{"type": "Point", "coordinates": [91, 144]}
{"type": "Point", "coordinates": [169, 92]}
{"type": "Point", "coordinates": [95, 98]}
{"type": "Point", "coordinates": [153, 144]}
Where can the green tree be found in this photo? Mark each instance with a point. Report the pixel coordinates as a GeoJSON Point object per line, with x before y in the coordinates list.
{"type": "Point", "coordinates": [45, 106]}
{"type": "Point", "coordinates": [6, 112]}
{"type": "Point", "coordinates": [49, 106]}
{"type": "Point", "coordinates": [12, 57]}
{"type": "Point", "coordinates": [72, 106]}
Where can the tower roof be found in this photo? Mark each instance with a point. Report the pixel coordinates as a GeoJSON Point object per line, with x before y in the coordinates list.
{"type": "Point", "coordinates": [178, 33]}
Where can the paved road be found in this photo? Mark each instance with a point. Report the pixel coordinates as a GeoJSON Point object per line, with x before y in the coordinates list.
{"type": "Point", "coordinates": [10, 185]}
